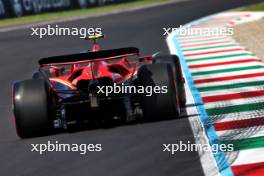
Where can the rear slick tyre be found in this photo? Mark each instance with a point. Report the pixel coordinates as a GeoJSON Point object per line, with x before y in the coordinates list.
{"type": "Point", "coordinates": [159, 106]}
{"type": "Point", "coordinates": [31, 101]}
{"type": "Point", "coordinates": [175, 63]}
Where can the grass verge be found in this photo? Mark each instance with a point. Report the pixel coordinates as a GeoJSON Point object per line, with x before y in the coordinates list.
{"type": "Point", "coordinates": [255, 7]}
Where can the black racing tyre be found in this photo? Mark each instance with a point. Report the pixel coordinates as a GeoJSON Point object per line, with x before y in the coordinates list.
{"type": "Point", "coordinates": [32, 114]}
{"type": "Point", "coordinates": [175, 62]}
{"type": "Point", "coordinates": [159, 106]}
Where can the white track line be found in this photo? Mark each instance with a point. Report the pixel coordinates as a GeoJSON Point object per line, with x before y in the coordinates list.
{"type": "Point", "coordinates": [233, 90]}
{"type": "Point", "coordinates": [196, 38]}
{"type": "Point", "coordinates": [237, 116]}
{"type": "Point", "coordinates": [246, 156]}
{"type": "Point", "coordinates": [241, 133]}
{"type": "Point", "coordinates": [235, 58]}
{"type": "Point", "coordinates": [217, 54]}
{"type": "Point", "coordinates": [203, 44]}
{"type": "Point", "coordinates": [235, 81]}
{"type": "Point", "coordinates": [213, 49]}
{"type": "Point", "coordinates": [199, 41]}
{"type": "Point", "coordinates": [234, 73]}
{"type": "Point", "coordinates": [226, 103]}
{"type": "Point", "coordinates": [227, 66]}
{"type": "Point", "coordinates": [212, 45]}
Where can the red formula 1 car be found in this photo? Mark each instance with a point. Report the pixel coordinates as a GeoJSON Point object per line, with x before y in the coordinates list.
{"type": "Point", "coordinates": [99, 85]}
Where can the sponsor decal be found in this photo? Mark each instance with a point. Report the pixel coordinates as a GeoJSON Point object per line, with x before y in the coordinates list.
{"type": "Point", "coordinates": [88, 73]}
{"type": "Point", "coordinates": [37, 6]}
{"type": "Point", "coordinates": [2, 8]}
{"type": "Point", "coordinates": [17, 7]}
{"type": "Point", "coordinates": [96, 73]}
{"type": "Point", "coordinates": [9, 8]}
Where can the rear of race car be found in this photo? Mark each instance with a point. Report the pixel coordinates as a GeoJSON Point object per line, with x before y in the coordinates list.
{"type": "Point", "coordinates": [91, 87]}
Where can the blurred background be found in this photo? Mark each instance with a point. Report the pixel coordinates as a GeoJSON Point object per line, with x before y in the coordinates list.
{"type": "Point", "coordinates": [13, 8]}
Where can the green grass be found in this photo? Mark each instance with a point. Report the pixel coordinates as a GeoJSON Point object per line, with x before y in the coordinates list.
{"type": "Point", "coordinates": [75, 13]}
{"type": "Point", "coordinates": [255, 7]}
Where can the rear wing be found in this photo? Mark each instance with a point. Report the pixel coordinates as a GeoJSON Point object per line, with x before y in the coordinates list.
{"type": "Point", "coordinates": [87, 57]}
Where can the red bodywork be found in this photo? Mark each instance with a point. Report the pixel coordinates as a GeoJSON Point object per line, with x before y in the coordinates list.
{"type": "Point", "coordinates": [118, 68]}
{"type": "Point", "coordinates": [118, 72]}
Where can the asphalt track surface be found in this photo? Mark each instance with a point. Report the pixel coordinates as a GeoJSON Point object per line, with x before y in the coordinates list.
{"type": "Point", "coordinates": [127, 150]}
